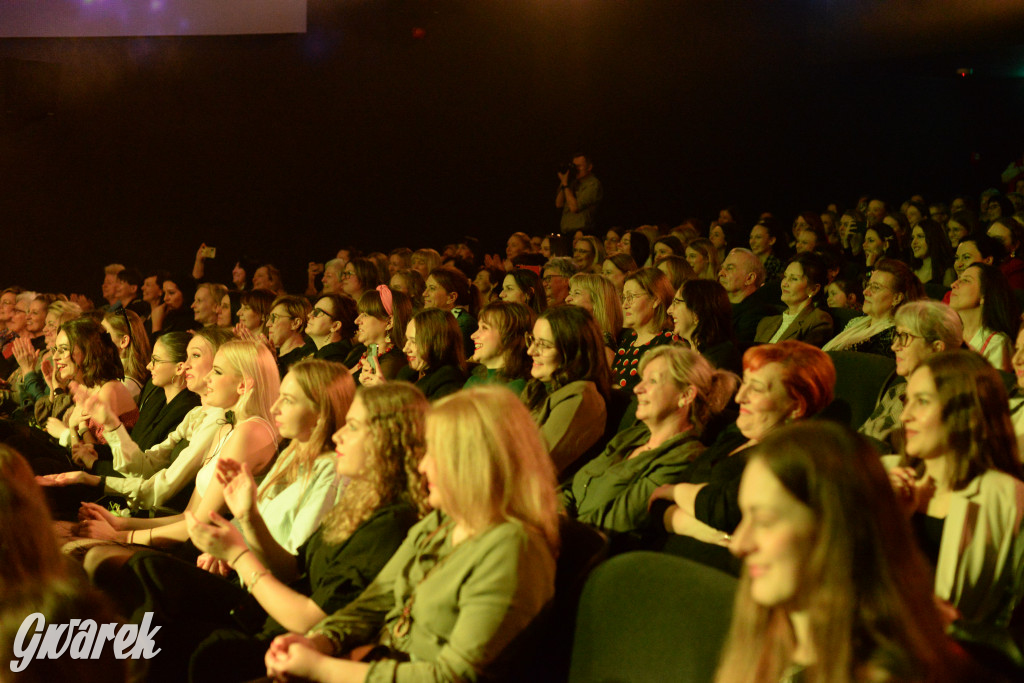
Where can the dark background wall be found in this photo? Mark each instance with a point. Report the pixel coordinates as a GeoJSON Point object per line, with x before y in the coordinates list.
{"type": "Point", "coordinates": [366, 131]}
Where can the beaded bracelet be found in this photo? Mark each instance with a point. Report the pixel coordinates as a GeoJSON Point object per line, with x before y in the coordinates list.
{"type": "Point", "coordinates": [254, 578]}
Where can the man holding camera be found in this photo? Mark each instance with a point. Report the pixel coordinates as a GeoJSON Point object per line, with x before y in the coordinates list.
{"type": "Point", "coordinates": [579, 195]}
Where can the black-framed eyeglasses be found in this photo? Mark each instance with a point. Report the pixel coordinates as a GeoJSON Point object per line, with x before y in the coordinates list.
{"type": "Point", "coordinates": [274, 317]}
{"type": "Point", "coordinates": [541, 344]}
{"type": "Point", "coordinates": [157, 361]}
{"type": "Point", "coordinates": [317, 312]}
{"type": "Point", "coordinates": [904, 339]}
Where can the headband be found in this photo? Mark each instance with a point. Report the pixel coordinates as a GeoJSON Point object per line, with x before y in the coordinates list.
{"type": "Point", "coordinates": [385, 297]}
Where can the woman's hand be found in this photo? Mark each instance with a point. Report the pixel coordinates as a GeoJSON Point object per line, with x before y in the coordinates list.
{"type": "Point", "coordinates": [100, 529]}
{"type": "Point", "coordinates": [369, 377]}
{"type": "Point", "coordinates": [293, 657]}
{"type": "Point", "coordinates": [25, 354]}
{"type": "Point", "coordinates": [93, 512]}
{"type": "Point", "coordinates": [912, 493]}
{"type": "Point", "coordinates": [68, 479]}
{"type": "Point", "coordinates": [663, 492]}
{"type": "Point", "coordinates": [84, 454]}
{"type": "Point", "coordinates": [55, 427]}
{"type": "Point", "coordinates": [93, 406]}
{"type": "Point", "coordinates": [239, 487]}
{"type": "Point", "coordinates": [218, 538]}
{"type": "Point", "coordinates": [209, 563]}
{"type": "Point", "coordinates": [681, 522]}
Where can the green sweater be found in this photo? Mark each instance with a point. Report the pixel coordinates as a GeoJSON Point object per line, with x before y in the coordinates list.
{"type": "Point", "coordinates": [611, 491]}
{"type": "Point", "coordinates": [465, 603]}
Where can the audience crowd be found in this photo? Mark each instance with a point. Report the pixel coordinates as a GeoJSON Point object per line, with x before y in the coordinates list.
{"type": "Point", "coordinates": [385, 476]}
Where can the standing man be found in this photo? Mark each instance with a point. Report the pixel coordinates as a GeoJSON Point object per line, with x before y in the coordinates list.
{"type": "Point", "coordinates": [579, 198]}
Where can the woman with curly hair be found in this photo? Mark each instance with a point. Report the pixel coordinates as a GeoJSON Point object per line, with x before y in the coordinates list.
{"type": "Point", "coordinates": [469, 578]}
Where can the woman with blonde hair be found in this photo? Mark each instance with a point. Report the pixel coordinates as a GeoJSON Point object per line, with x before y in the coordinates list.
{"type": "Point", "coordinates": [704, 258]}
{"type": "Point", "coordinates": [598, 295]}
{"type": "Point", "coordinates": [588, 254]}
{"type": "Point", "coordinates": [470, 577]}
{"type": "Point", "coordinates": [244, 382]}
{"type": "Point", "coordinates": [678, 394]}
{"type": "Point", "coordinates": [128, 333]}
{"type": "Point", "coordinates": [829, 592]}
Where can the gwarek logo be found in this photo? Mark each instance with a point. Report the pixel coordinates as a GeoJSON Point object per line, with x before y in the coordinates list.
{"type": "Point", "coordinates": [81, 639]}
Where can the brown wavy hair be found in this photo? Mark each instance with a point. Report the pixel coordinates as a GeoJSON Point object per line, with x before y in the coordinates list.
{"type": "Point", "coordinates": [396, 414]}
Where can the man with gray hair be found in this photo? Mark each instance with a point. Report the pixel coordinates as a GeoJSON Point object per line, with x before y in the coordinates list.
{"type": "Point", "coordinates": [332, 276]}
{"type": "Point", "coordinates": [556, 274]}
{"type": "Point", "coordinates": [742, 274]}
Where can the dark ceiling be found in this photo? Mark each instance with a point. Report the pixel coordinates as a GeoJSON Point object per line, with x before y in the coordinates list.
{"type": "Point", "coordinates": [392, 123]}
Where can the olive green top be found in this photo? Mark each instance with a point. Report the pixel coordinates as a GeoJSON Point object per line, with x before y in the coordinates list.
{"type": "Point", "coordinates": [465, 603]}
{"type": "Point", "coordinates": [611, 491]}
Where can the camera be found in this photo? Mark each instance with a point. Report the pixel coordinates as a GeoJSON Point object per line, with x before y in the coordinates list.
{"type": "Point", "coordinates": [570, 169]}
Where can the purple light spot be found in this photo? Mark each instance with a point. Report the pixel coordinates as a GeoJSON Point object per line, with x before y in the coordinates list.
{"type": "Point", "coordinates": [156, 5]}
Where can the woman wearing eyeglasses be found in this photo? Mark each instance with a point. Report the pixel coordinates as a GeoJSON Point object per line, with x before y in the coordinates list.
{"type": "Point", "coordinates": [384, 314]}
{"type": "Point", "coordinates": [286, 326]}
{"type": "Point", "coordinates": [923, 328]}
{"type": "Point", "coordinates": [989, 311]}
{"type": "Point", "coordinates": [587, 255]}
{"type": "Point", "coordinates": [646, 296]}
{"type": "Point", "coordinates": [330, 326]}
{"type": "Point", "coordinates": [360, 275]}
{"type": "Point", "coordinates": [569, 384]}
{"type": "Point", "coordinates": [892, 284]}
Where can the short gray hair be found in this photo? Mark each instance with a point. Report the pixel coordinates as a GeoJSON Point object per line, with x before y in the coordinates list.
{"type": "Point", "coordinates": [562, 265]}
{"type": "Point", "coordinates": [932, 320]}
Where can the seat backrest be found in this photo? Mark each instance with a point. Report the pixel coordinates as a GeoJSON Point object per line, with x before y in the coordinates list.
{"type": "Point", "coordinates": [651, 617]}
{"type": "Point", "coordinates": [861, 379]}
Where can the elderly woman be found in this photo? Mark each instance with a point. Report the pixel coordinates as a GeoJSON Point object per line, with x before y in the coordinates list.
{"type": "Point", "coordinates": [569, 384]}
{"type": "Point", "coordinates": [646, 296]}
{"type": "Point", "coordinates": [923, 328]}
{"type": "Point", "coordinates": [989, 311]}
{"type": "Point", "coordinates": [803, 290]}
{"type": "Point", "coordinates": [959, 478]}
{"type": "Point", "coordinates": [892, 284]}
{"type": "Point", "coordinates": [470, 577]}
{"type": "Point", "coordinates": [830, 592]}
{"type": "Point", "coordinates": [782, 383]}
{"type": "Point", "coordinates": [677, 396]}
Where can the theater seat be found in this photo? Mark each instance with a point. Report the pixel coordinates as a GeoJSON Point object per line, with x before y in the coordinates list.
{"type": "Point", "coordinates": [648, 617]}
{"type": "Point", "coordinates": [861, 379]}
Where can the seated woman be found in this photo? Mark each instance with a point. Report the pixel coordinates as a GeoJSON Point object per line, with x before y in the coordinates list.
{"type": "Point", "coordinates": [85, 354]}
{"type": "Point", "coordinates": [960, 481]}
{"type": "Point", "coordinates": [782, 383]}
{"type": "Point", "coordinates": [35, 580]}
{"type": "Point", "coordinates": [279, 527]}
{"type": "Point", "coordinates": [597, 294]}
{"type": "Point", "coordinates": [425, 261]}
{"type": "Point", "coordinates": [616, 268]}
{"type": "Point", "coordinates": [569, 384]}
{"type": "Point", "coordinates": [412, 284]}
{"type": "Point", "coordinates": [229, 305]}
{"type": "Point", "coordinates": [470, 577]}
{"type": "Point", "coordinates": [923, 328]}
{"type": "Point", "coordinates": [433, 348]}
{"type": "Point", "coordinates": [242, 381]}
{"type": "Point", "coordinates": [829, 591]}
{"type": "Point", "coordinates": [449, 290]}
{"type": "Point", "coordinates": [500, 346]}
{"type": "Point", "coordinates": [932, 256]}
{"type": "Point", "coordinates": [383, 317]}
{"type": "Point", "coordinates": [254, 311]}
{"type": "Point", "coordinates": [989, 311]}
{"type": "Point", "coordinates": [636, 245]}
{"type": "Point", "coordinates": [128, 333]}
{"type": "Point", "coordinates": [646, 296]}
{"type": "Point", "coordinates": [803, 295]}
{"type": "Point", "coordinates": [588, 254]}
{"type": "Point", "coordinates": [17, 328]}
{"type": "Point", "coordinates": [522, 286]}
{"type": "Point", "coordinates": [880, 242]}
{"type": "Point", "coordinates": [703, 257]}
{"type": "Point", "coordinates": [762, 244]}
{"type": "Point", "coordinates": [678, 394]}
{"type": "Point", "coordinates": [488, 283]}
{"type": "Point", "coordinates": [175, 315]}
{"type": "Point", "coordinates": [330, 326]}
{"type": "Point", "coordinates": [37, 367]}
{"type": "Point", "coordinates": [891, 285]}
{"type": "Point", "coordinates": [702, 316]}
{"type": "Point", "coordinates": [286, 330]}
{"type": "Point", "coordinates": [160, 477]}
{"type": "Point", "coordinates": [1011, 234]}
{"type": "Point", "coordinates": [677, 269]}
{"type": "Point", "coordinates": [360, 275]}
{"type": "Point", "coordinates": [665, 246]}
